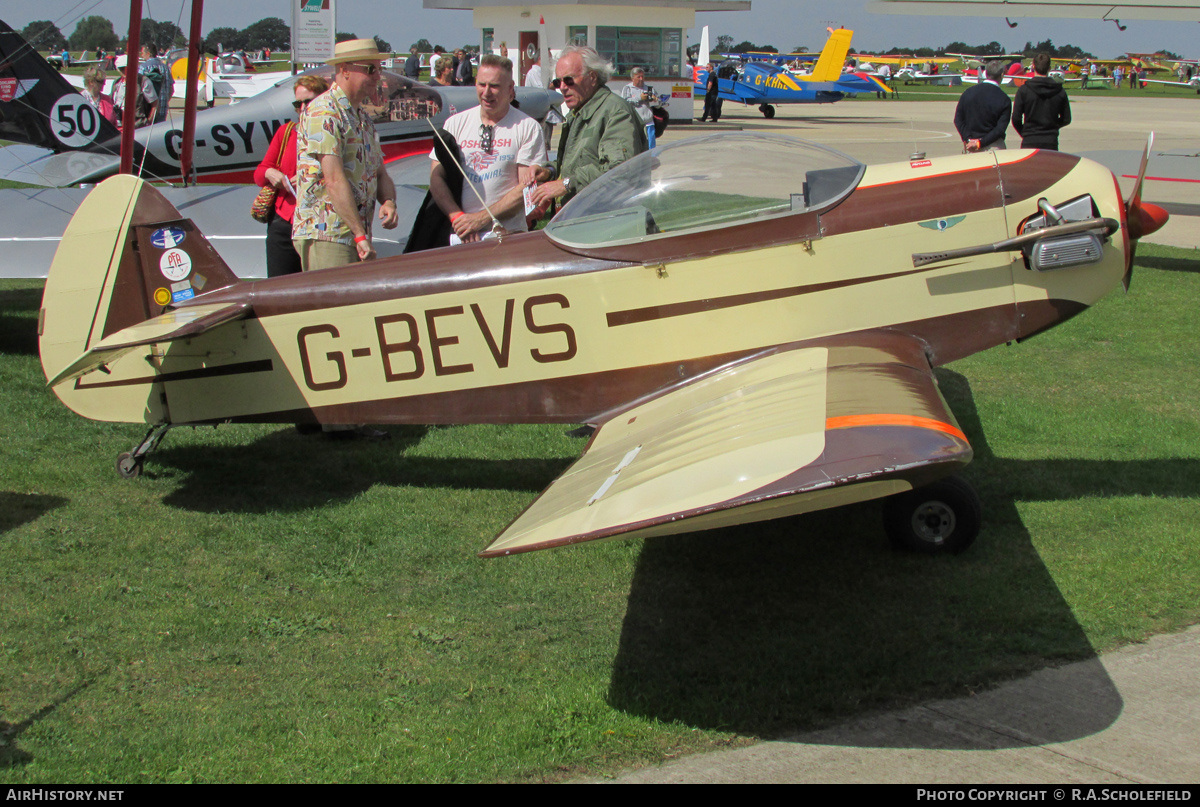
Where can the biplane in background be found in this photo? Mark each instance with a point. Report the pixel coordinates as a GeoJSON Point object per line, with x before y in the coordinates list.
{"type": "Point", "coordinates": [747, 323]}
{"type": "Point", "coordinates": [39, 108]}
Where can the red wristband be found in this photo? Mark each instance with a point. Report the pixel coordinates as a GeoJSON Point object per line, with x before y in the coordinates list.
{"type": "Point", "coordinates": [358, 239]}
{"type": "Point", "coordinates": [456, 216]}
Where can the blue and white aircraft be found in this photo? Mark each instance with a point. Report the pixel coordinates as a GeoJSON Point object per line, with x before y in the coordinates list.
{"type": "Point", "coordinates": [749, 81]}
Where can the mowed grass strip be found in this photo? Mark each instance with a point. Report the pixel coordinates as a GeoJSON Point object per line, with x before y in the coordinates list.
{"type": "Point", "coordinates": [262, 606]}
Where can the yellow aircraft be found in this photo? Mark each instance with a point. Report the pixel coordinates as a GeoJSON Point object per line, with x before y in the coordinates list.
{"type": "Point", "coordinates": [748, 323]}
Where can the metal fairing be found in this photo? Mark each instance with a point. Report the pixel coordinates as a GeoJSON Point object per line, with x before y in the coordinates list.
{"type": "Point", "coordinates": [763, 367]}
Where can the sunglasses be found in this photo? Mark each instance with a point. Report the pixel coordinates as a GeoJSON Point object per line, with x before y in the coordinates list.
{"type": "Point", "coordinates": [369, 69]}
{"type": "Point", "coordinates": [567, 80]}
{"type": "Point", "coordinates": [486, 134]}
{"type": "Point", "coordinates": [298, 105]}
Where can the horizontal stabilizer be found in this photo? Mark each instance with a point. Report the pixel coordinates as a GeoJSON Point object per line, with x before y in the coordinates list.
{"type": "Point", "coordinates": [169, 327]}
{"type": "Point", "coordinates": [774, 435]}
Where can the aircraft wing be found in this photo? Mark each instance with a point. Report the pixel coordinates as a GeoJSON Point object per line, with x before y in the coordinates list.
{"type": "Point", "coordinates": [36, 219]}
{"type": "Point", "coordinates": [779, 433]}
{"type": "Point", "coordinates": [1195, 85]}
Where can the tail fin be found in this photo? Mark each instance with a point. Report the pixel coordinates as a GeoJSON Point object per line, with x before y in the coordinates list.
{"type": "Point", "coordinates": [126, 256]}
{"type": "Point", "coordinates": [833, 56]}
{"type": "Point", "coordinates": [704, 56]}
{"type": "Point", "coordinates": [38, 106]}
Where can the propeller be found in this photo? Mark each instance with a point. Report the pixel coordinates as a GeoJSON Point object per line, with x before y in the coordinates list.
{"type": "Point", "coordinates": [1141, 218]}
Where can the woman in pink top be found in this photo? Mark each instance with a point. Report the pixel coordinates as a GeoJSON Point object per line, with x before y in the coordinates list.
{"type": "Point", "coordinates": [93, 91]}
{"type": "Point", "coordinates": [278, 169]}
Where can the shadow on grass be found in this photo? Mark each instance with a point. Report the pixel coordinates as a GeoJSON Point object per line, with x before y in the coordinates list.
{"type": "Point", "coordinates": [12, 756]}
{"type": "Point", "coordinates": [1167, 264]}
{"type": "Point", "coordinates": [796, 624]}
{"type": "Point", "coordinates": [20, 508]}
{"type": "Point", "coordinates": [18, 334]}
{"type": "Point", "coordinates": [287, 472]}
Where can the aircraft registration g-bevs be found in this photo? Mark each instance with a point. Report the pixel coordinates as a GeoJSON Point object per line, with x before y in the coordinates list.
{"type": "Point", "coordinates": [748, 322]}
{"type": "Point", "coordinates": [767, 84]}
{"type": "Point", "coordinates": [40, 108]}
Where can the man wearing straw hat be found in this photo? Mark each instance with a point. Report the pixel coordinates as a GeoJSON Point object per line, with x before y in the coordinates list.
{"type": "Point", "coordinates": [339, 165]}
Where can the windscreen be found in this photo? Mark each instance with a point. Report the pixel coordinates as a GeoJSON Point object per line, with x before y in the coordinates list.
{"type": "Point", "coordinates": [704, 183]}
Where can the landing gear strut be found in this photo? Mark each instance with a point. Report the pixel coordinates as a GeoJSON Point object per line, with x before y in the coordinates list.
{"type": "Point", "coordinates": [129, 464]}
{"type": "Point", "coordinates": [941, 517]}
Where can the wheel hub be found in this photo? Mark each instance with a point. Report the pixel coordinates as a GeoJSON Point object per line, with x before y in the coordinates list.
{"type": "Point", "coordinates": [933, 521]}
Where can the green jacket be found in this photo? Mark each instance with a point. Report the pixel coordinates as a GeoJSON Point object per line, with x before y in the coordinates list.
{"type": "Point", "coordinates": [597, 137]}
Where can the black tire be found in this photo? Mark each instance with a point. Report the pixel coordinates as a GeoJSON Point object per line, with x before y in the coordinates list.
{"type": "Point", "coordinates": [768, 111]}
{"type": "Point", "coordinates": [943, 517]}
{"type": "Point", "coordinates": [129, 466]}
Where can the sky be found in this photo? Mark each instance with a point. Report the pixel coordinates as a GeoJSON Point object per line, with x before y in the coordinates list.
{"type": "Point", "coordinates": [781, 23]}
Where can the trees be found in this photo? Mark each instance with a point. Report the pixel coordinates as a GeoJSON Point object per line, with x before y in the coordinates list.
{"type": "Point", "coordinates": [44, 35]}
{"type": "Point", "coordinates": [383, 45]}
{"type": "Point", "coordinates": [724, 43]}
{"type": "Point", "coordinates": [220, 39]}
{"type": "Point", "coordinates": [93, 32]}
{"type": "Point", "coordinates": [422, 45]}
{"type": "Point", "coordinates": [748, 46]}
{"type": "Point", "coordinates": [163, 35]}
{"type": "Point", "coordinates": [269, 32]}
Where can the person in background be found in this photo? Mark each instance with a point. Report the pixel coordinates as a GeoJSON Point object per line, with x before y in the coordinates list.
{"type": "Point", "coordinates": [501, 146]}
{"type": "Point", "coordinates": [983, 112]}
{"type": "Point", "coordinates": [443, 72]}
{"type": "Point", "coordinates": [145, 102]}
{"type": "Point", "coordinates": [712, 101]}
{"type": "Point", "coordinates": [153, 68]}
{"type": "Point", "coordinates": [412, 65]}
{"type": "Point", "coordinates": [464, 76]}
{"type": "Point", "coordinates": [1040, 108]}
{"type": "Point", "coordinates": [278, 169]}
{"type": "Point", "coordinates": [642, 96]}
{"type": "Point", "coordinates": [600, 132]}
{"type": "Point", "coordinates": [534, 77]}
{"type": "Point", "coordinates": [93, 91]}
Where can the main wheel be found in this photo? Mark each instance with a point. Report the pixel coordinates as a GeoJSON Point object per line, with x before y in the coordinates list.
{"type": "Point", "coordinates": [768, 111]}
{"type": "Point", "coordinates": [941, 517]}
{"type": "Point", "coordinates": [129, 466]}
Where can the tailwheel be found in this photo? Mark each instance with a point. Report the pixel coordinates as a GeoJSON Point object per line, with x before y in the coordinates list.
{"type": "Point", "coordinates": [943, 517]}
{"type": "Point", "coordinates": [129, 466]}
{"type": "Point", "coordinates": [131, 463]}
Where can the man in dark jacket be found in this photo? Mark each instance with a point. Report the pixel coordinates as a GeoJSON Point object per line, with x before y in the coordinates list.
{"type": "Point", "coordinates": [983, 112]}
{"type": "Point", "coordinates": [1041, 108]}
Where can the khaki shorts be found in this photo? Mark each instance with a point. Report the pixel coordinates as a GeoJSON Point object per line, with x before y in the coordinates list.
{"type": "Point", "coordinates": [315, 254]}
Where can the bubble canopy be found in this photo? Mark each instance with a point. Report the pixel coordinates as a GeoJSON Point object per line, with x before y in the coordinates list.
{"type": "Point", "coordinates": [704, 183]}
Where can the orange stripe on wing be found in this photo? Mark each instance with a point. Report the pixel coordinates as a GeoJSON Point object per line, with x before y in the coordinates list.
{"type": "Point", "coordinates": [852, 421]}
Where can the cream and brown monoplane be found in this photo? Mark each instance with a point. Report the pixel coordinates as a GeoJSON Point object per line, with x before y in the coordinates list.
{"type": "Point", "coordinates": [750, 324]}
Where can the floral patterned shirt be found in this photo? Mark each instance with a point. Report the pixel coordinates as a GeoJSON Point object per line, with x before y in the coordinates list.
{"type": "Point", "coordinates": [331, 125]}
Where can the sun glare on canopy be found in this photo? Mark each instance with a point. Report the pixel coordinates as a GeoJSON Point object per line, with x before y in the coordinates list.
{"type": "Point", "coordinates": [702, 183]}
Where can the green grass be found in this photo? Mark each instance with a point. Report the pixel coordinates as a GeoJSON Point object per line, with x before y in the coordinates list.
{"type": "Point", "coordinates": [261, 606]}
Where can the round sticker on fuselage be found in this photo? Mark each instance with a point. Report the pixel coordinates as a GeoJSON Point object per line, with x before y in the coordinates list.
{"type": "Point", "coordinates": [74, 121]}
{"type": "Point", "coordinates": [175, 264]}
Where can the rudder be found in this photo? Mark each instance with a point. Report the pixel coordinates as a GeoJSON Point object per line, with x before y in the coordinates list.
{"type": "Point", "coordinates": [126, 256]}
{"type": "Point", "coordinates": [833, 56]}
